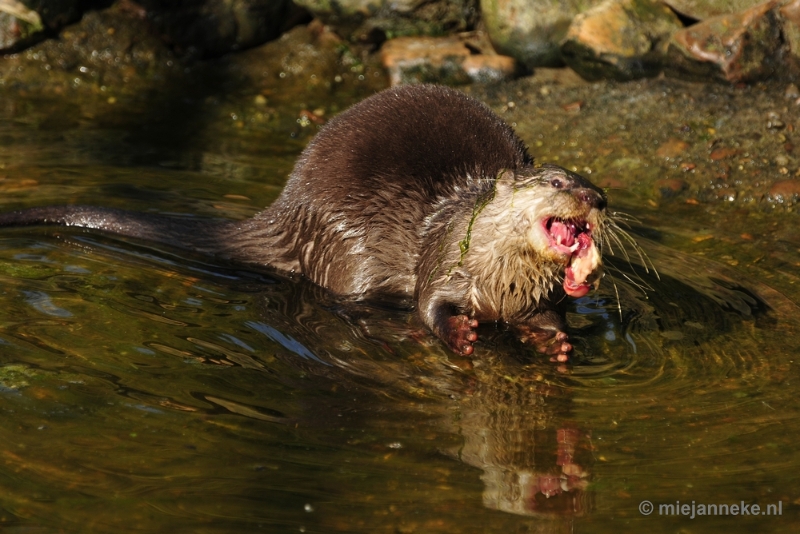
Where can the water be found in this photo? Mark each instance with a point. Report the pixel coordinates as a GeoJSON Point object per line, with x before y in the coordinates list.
{"type": "Point", "coordinates": [144, 389]}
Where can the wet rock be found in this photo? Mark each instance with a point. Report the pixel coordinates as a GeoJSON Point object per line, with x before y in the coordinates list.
{"type": "Point", "coordinates": [785, 191]}
{"type": "Point", "coordinates": [531, 30]}
{"type": "Point", "coordinates": [739, 47]}
{"type": "Point", "coordinates": [448, 60]}
{"type": "Point", "coordinates": [215, 27]}
{"type": "Point", "coordinates": [374, 21]}
{"type": "Point", "coordinates": [704, 9]}
{"type": "Point", "coordinates": [23, 22]}
{"type": "Point", "coordinates": [620, 39]}
{"type": "Point", "coordinates": [107, 51]}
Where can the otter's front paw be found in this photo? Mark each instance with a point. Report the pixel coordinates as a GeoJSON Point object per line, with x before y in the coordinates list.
{"type": "Point", "coordinates": [554, 343]}
{"type": "Point", "coordinates": [459, 334]}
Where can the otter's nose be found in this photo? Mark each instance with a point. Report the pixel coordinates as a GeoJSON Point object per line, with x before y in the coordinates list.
{"type": "Point", "coordinates": [590, 197]}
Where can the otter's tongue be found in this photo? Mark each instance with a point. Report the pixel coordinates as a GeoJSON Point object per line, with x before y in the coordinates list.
{"type": "Point", "coordinates": [562, 235]}
{"type": "Point", "coordinates": [584, 261]}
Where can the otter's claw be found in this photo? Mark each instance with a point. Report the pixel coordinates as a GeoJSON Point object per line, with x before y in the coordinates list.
{"type": "Point", "coordinates": [460, 334]}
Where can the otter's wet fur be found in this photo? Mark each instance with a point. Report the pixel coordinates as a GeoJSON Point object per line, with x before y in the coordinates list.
{"type": "Point", "coordinates": [418, 192]}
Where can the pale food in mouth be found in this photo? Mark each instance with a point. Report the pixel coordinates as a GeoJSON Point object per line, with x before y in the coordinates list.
{"type": "Point", "coordinates": [573, 240]}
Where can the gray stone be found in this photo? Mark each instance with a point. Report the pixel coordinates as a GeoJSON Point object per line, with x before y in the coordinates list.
{"type": "Point", "coordinates": [531, 30]}
{"type": "Point", "coordinates": [620, 39]}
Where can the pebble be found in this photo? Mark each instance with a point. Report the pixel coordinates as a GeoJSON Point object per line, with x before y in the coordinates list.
{"type": "Point", "coordinates": [672, 148]}
{"type": "Point", "coordinates": [722, 153]}
{"type": "Point", "coordinates": [670, 187]}
{"type": "Point", "coordinates": [785, 190]}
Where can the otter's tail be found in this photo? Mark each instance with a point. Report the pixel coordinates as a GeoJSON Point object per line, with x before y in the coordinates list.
{"type": "Point", "coordinates": [187, 233]}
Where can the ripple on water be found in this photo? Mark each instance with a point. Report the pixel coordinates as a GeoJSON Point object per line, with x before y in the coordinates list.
{"type": "Point", "coordinates": [697, 325]}
{"type": "Point", "coordinates": [43, 303]}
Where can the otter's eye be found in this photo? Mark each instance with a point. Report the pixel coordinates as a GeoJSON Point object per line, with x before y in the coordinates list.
{"type": "Point", "coordinates": [558, 184]}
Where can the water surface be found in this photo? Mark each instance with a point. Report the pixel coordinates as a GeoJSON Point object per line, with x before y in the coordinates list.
{"type": "Point", "coordinates": [147, 389]}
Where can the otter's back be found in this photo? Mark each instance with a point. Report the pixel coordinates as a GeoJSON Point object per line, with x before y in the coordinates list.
{"type": "Point", "coordinates": [426, 137]}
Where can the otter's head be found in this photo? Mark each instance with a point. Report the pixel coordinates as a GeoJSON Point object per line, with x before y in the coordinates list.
{"type": "Point", "coordinates": [560, 214]}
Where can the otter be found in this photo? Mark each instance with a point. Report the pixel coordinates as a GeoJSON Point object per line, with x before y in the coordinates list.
{"type": "Point", "coordinates": [418, 192]}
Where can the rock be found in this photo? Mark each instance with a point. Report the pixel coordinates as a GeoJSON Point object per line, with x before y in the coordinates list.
{"type": "Point", "coordinates": [722, 153]}
{"type": "Point", "coordinates": [214, 27]}
{"type": "Point", "coordinates": [108, 51]}
{"type": "Point", "coordinates": [23, 22]}
{"type": "Point", "coordinates": [307, 64]}
{"type": "Point", "coordinates": [573, 107]}
{"type": "Point", "coordinates": [672, 148]}
{"type": "Point", "coordinates": [789, 15]}
{"type": "Point", "coordinates": [375, 21]}
{"type": "Point", "coordinates": [785, 191]}
{"type": "Point", "coordinates": [669, 188]}
{"type": "Point", "coordinates": [350, 10]}
{"type": "Point", "coordinates": [448, 60]}
{"type": "Point", "coordinates": [531, 30]}
{"type": "Point", "coordinates": [704, 9]}
{"type": "Point", "coordinates": [619, 39]}
{"type": "Point", "coordinates": [739, 47]}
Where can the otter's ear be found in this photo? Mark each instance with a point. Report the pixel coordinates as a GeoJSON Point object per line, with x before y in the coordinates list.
{"type": "Point", "coordinates": [505, 180]}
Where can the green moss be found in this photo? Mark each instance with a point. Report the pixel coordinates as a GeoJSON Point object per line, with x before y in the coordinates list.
{"type": "Point", "coordinates": [15, 377]}
{"type": "Point", "coordinates": [480, 203]}
{"type": "Point", "coordinates": [26, 270]}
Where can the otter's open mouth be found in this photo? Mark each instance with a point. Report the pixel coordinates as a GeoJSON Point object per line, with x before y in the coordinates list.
{"type": "Point", "coordinates": [572, 239]}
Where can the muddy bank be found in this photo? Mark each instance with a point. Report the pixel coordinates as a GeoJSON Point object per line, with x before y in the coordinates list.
{"type": "Point", "coordinates": [662, 140]}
